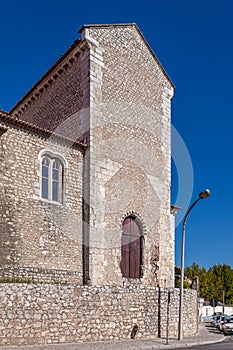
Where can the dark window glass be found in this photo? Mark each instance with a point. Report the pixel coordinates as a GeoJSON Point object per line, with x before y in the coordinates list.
{"type": "Point", "coordinates": [56, 181]}
{"type": "Point", "coordinates": [45, 178]}
{"type": "Point", "coordinates": [55, 191]}
{"type": "Point", "coordinates": [45, 188]}
{"type": "Point", "coordinates": [56, 168]}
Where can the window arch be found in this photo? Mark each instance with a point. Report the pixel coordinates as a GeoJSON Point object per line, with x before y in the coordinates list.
{"type": "Point", "coordinates": [52, 176]}
{"type": "Point", "coordinates": [131, 248]}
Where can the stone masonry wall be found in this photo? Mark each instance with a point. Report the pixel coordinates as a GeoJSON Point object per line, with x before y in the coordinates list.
{"type": "Point", "coordinates": [111, 92]}
{"type": "Point", "coordinates": [129, 153]}
{"type": "Point", "coordinates": [44, 314]}
{"type": "Point", "coordinates": [39, 240]}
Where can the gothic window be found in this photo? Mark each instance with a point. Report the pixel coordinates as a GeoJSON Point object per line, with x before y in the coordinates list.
{"type": "Point", "coordinates": [45, 177]}
{"type": "Point", "coordinates": [56, 181]}
{"type": "Point", "coordinates": [52, 178]}
{"type": "Point", "coordinates": [131, 248]}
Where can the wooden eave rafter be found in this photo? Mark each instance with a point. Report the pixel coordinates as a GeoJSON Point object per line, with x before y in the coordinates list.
{"type": "Point", "coordinates": [3, 129]}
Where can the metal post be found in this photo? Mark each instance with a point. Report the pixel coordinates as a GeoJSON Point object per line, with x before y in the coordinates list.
{"type": "Point", "coordinates": [202, 195]}
{"type": "Point", "coordinates": [168, 313]}
{"type": "Point", "coordinates": [223, 302]}
{"type": "Point", "coordinates": [198, 304]}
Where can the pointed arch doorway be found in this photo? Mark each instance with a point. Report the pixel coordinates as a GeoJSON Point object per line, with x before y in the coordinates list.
{"type": "Point", "coordinates": [131, 247]}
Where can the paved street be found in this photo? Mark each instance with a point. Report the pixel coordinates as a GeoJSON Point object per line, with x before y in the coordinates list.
{"type": "Point", "coordinates": [225, 345]}
{"type": "Point", "coordinates": [205, 335]}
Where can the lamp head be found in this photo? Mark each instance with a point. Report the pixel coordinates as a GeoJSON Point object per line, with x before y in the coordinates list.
{"type": "Point", "coordinates": [204, 194]}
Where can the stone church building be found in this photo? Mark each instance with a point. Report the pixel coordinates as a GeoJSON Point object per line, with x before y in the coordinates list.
{"type": "Point", "coordinates": [85, 186]}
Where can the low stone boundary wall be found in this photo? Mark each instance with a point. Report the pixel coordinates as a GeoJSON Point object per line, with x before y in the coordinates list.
{"type": "Point", "coordinates": [50, 313]}
{"type": "Point", "coordinates": [37, 275]}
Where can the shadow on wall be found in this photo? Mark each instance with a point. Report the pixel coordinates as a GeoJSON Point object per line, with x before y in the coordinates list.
{"type": "Point", "coordinates": [134, 331]}
{"type": "Point", "coordinates": [8, 237]}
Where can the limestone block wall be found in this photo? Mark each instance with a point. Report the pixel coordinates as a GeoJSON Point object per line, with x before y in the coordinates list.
{"type": "Point", "coordinates": [46, 313]}
{"type": "Point", "coordinates": [129, 153]}
{"type": "Point", "coordinates": [110, 91]}
{"type": "Point", "coordinates": [39, 240]}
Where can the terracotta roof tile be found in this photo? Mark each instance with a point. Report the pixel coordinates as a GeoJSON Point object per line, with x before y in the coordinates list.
{"type": "Point", "coordinates": [6, 117]}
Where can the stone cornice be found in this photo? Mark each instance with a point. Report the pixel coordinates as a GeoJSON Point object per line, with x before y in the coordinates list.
{"type": "Point", "coordinates": [62, 64]}
{"type": "Point", "coordinates": [174, 209]}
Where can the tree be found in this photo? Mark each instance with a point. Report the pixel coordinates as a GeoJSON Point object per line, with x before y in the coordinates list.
{"type": "Point", "coordinates": [194, 271]}
{"type": "Point", "coordinates": [220, 279]}
{"type": "Point", "coordinates": [215, 282]}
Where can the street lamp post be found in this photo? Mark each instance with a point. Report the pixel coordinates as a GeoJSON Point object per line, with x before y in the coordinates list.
{"type": "Point", "coordinates": [202, 195]}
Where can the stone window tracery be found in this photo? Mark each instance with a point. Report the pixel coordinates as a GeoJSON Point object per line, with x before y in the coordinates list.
{"type": "Point", "coordinates": [52, 177]}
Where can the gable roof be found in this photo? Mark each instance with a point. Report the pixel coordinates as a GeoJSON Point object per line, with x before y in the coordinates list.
{"type": "Point", "coordinates": [51, 75]}
{"type": "Point", "coordinates": [139, 32]}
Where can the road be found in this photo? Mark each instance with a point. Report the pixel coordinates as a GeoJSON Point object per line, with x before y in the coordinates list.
{"type": "Point", "coordinates": [227, 344]}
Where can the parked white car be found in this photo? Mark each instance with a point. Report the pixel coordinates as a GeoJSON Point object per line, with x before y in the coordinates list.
{"type": "Point", "coordinates": [221, 322]}
{"type": "Point", "coordinates": [227, 326]}
{"type": "Point", "coordinates": [215, 320]}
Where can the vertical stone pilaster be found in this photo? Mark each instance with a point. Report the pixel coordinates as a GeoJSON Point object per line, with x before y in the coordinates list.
{"type": "Point", "coordinates": [96, 185]}
{"type": "Point", "coordinates": [167, 247]}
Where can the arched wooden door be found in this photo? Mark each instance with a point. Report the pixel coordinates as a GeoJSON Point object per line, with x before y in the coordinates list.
{"type": "Point", "coordinates": [131, 248]}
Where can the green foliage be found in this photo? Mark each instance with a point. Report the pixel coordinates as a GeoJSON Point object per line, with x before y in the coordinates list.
{"type": "Point", "coordinates": [15, 280]}
{"type": "Point", "coordinates": [177, 283]}
{"type": "Point", "coordinates": [186, 284]}
{"type": "Point", "coordinates": [214, 283]}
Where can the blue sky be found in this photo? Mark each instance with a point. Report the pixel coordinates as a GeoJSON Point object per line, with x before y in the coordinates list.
{"type": "Point", "coordinates": [194, 42]}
